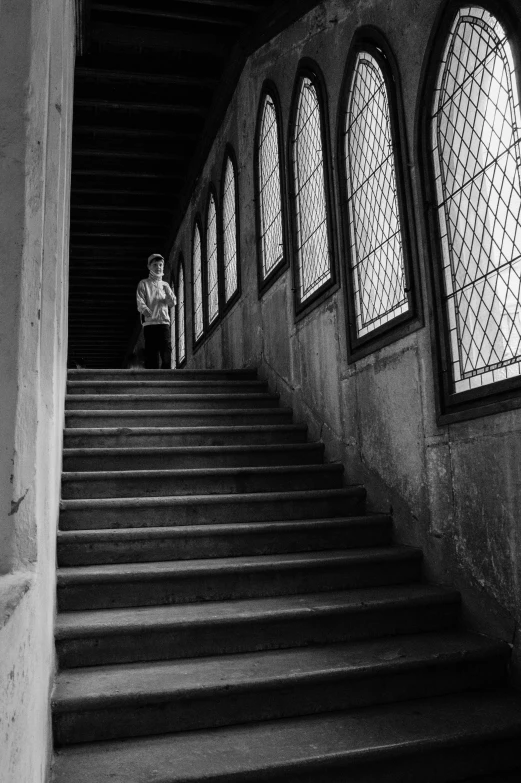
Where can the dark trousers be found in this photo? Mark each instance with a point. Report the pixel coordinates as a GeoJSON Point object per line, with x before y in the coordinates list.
{"type": "Point", "coordinates": [158, 347]}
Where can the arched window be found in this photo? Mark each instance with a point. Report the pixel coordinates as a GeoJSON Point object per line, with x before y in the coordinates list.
{"type": "Point", "coordinates": [271, 245]}
{"type": "Point", "coordinates": [211, 261]}
{"type": "Point", "coordinates": [181, 333]}
{"type": "Point", "coordinates": [476, 148]}
{"type": "Point", "coordinates": [197, 283]}
{"type": "Point", "coordinates": [309, 193]}
{"type": "Point", "coordinates": [377, 269]}
{"type": "Point", "coordinates": [229, 209]}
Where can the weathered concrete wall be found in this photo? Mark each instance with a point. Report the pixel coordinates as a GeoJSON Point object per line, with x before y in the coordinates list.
{"type": "Point", "coordinates": [454, 490]}
{"type": "Point", "coordinates": [36, 82]}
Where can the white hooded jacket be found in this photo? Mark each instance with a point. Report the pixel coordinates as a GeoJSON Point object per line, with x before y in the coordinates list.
{"type": "Point", "coordinates": [154, 299]}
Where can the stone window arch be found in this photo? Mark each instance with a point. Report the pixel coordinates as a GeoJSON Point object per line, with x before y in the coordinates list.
{"type": "Point", "coordinates": [212, 261]}
{"type": "Point", "coordinates": [269, 188]}
{"type": "Point", "coordinates": [180, 314]}
{"type": "Point", "coordinates": [230, 228]}
{"type": "Point", "coordinates": [473, 133]}
{"type": "Point", "coordinates": [197, 282]}
{"type": "Point", "coordinates": [311, 197]}
{"type": "Point", "coordinates": [377, 223]}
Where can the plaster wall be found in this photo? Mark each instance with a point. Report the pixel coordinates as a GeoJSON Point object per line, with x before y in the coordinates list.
{"type": "Point", "coordinates": [36, 82]}
{"type": "Point", "coordinates": [454, 490]}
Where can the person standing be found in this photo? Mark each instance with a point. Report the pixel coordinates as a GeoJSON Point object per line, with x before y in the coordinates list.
{"type": "Point", "coordinates": [154, 299]}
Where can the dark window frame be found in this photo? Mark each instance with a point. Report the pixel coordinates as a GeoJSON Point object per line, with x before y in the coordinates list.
{"type": "Point", "coordinates": [372, 40]}
{"type": "Point", "coordinates": [229, 154]}
{"type": "Point", "coordinates": [269, 89]}
{"type": "Point", "coordinates": [308, 68]}
{"type": "Point", "coordinates": [501, 395]}
{"type": "Point", "coordinates": [180, 265]}
{"type": "Point", "coordinates": [197, 222]}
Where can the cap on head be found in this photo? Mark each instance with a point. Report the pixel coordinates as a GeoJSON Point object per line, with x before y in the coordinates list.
{"type": "Point", "coordinates": [154, 257]}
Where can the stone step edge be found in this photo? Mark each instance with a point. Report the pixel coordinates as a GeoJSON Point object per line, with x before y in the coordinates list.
{"type": "Point", "coordinates": [160, 373]}
{"type": "Point", "coordinates": [68, 697]}
{"type": "Point", "coordinates": [210, 430]}
{"type": "Point", "coordinates": [164, 412]}
{"type": "Point", "coordinates": [240, 564]}
{"type": "Point", "coordinates": [236, 498]}
{"type": "Point", "coordinates": [173, 397]}
{"type": "Point", "coordinates": [170, 383]}
{"type": "Point", "coordinates": [110, 451]}
{"type": "Point", "coordinates": [203, 531]}
{"type": "Point", "coordinates": [265, 470]}
{"type": "Point", "coordinates": [114, 622]}
{"type": "Point", "coordinates": [298, 746]}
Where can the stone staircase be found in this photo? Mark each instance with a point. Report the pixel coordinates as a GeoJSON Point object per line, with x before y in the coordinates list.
{"type": "Point", "coordinates": [228, 611]}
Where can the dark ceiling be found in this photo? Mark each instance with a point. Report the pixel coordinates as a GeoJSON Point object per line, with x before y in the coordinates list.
{"type": "Point", "coordinates": [152, 81]}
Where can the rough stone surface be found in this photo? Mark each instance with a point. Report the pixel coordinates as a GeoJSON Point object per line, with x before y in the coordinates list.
{"type": "Point", "coordinates": [454, 490]}
{"type": "Point", "coordinates": [36, 67]}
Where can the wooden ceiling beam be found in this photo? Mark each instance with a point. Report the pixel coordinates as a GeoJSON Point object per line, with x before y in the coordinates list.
{"type": "Point", "coordinates": [128, 106]}
{"type": "Point", "coordinates": [129, 173]}
{"type": "Point", "coordinates": [142, 40]}
{"type": "Point", "coordinates": [111, 130]}
{"type": "Point", "coordinates": [130, 222]}
{"type": "Point", "coordinates": [119, 208]}
{"type": "Point", "coordinates": [121, 153]}
{"type": "Point", "coordinates": [176, 16]}
{"type": "Point", "coordinates": [133, 77]}
{"type": "Point", "coordinates": [110, 191]}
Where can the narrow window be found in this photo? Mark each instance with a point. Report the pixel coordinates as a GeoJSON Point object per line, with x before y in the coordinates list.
{"type": "Point", "coordinates": [270, 199]}
{"type": "Point", "coordinates": [198, 284]}
{"type": "Point", "coordinates": [229, 231]}
{"type": "Point", "coordinates": [312, 242]}
{"type": "Point", "coordinates": [211, 261]}
{"type": "Point", "coordinates": [375, 236]}
{"type": "Point", "coordinates": [181, 337]}
{"type": "Point", "coordinates": [476, 147]}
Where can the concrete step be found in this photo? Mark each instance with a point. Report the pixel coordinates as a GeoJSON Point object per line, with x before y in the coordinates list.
{"type": "Point", "coordinates": [434, 740]}
{"type": "Point", "coordinates": [153, 387]}
{"type": "Point", "coordinates": [102, 703]}
{"type": "Point", "coordinates": [161, 483]}
{"type": "Point", "coordinates": [161, 375]}
{"type": "Point", "coordinates": [164, 437]}
{"type": "Point", "coordinates": [211, 509]}
{"type": "Point", "coordinates": [177, 418]}
{"type": "Point", "coordinates": [140, 545]}
{"type": "Point", "coordinates": [497, 777]}
{"type": "Point", "coordinates": [218, 579]}
{"type": "Point", "coordinates": [183, 457]}
{"type": "Point", "coordinates": [175, 402]}
{"type": "Point", "coordinates": [110, 636]}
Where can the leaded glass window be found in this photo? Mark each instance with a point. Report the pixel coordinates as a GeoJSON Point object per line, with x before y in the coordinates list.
{"type": "Point", "coordinates": [270, 200]}
{"type": "Point", "coordinates": [313, 261]}
{"type": "Point", "coordinates": [229, 231]}
{"type": "Point", "coordinates": [197, 283]}
{"type": "Point", "coordinates": [181, 335]}
{"type": "Point", "coordinates": [476, 145]}
{"type": "Point", "coordinates": [211, 261]}
{"type": "Point", "coordinates": [375, 234]}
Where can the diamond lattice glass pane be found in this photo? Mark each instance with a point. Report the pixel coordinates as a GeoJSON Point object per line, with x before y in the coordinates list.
{"type": "Point", "coordinates": [270, 205]}
{"type": "Point", "coordinates": [229, 232]}
{"type": "Point", "coordinates": [476, 142]}
{"type": "Point", "coordinates": [211, 261]}
{"type": "Point", "coordinates": [377, 264]}
{"type": "Point", "coordinates": [310, 195]}
{"type": "Point", "coordinates": [198, 284]}
{"type": "Point", "coordinates": [181, 337]}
